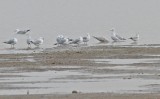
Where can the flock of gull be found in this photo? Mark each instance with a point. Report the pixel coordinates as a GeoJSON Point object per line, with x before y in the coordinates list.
{"type": "Point", "coordinates": [29, 40]}
{"type": "Point", "coordinates": [62, 40]}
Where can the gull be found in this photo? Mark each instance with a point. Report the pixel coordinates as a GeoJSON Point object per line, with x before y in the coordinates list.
{"type": "Point", "coordinates": [29, 41]}
{"type": "Point", "coordinates": [135, 38]}
{"type": "Point", "coordinates": [12, 42]}
{"type": "Point", "coordinates": [18, 31]}
{"type": "Point", "coordinates": [38, 42]}
{"type": "Point", "coordinates": [77, 41]}
{"type": "Point", "coordinates": [101, 39]}
{"type": "Point", "coordinates": [116, 37]}
{"type": "Point", "coordinates": [86, 39]}
{"type": "Point", "coordinates": [61, 40]}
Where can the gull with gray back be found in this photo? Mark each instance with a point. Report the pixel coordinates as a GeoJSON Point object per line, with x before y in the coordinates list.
{"type": "Point", "coordinates": [86, 39]}
{"type": "Point", "coordinates": [38, 42]}
{"type": "Point", "coordinates": [12, 42]}
{"type": "Point", "coordinates": [18, 31]}
{"type": "Point", "coordinates": [77, 41]}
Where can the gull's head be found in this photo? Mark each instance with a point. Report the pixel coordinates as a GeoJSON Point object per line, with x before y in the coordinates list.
{"type": "Point", "coordinates": [41, 38]}
{"type": "Point", "coordinates": [60, 36]}
{"type": "Point", "coordinates": [15, 40]}
{"type": "Point", "coordinates": [112, 29]}
{"type": "Point", "coordinates": [17, 30]}
{"type": "Point", "coordinates": [81, 38]}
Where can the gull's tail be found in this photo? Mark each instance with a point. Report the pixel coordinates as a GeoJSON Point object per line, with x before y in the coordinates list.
{"type": "Point", "coordinates": [28, 30]}
{"type": "Point", "coordinates": [4, 42]}
{"type": "Point", "coordinates": [56, 44]}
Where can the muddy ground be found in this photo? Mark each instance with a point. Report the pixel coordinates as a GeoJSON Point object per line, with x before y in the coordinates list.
{"type": "Point", "coordinates": [50, 59]}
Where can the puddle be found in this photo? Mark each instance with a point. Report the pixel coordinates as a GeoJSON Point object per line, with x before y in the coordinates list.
{"type": "Point", "coordinates": [64, 82]}
{"type": "Point", "coordinates": [129, 68]}
{"type": "Point", "coordinates": [152, 55]}
{"type": "Point", "coordinates": [126, 61]}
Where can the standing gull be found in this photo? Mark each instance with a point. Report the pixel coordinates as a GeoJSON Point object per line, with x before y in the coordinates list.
{"type": "Point", "coordinates": [61, 40]}
{"type": "Point", "coordinates": [38, 42]}
{"type": "Point", "coordinates": [86, 39]}
{"type": "Point", "coordinates": [116, 37]}
{"type": "Point", "coordinates": [29, 41]}
{"type": "Point", "coordinates": [18, 31]}
{"type": "Point", "coordinates": [12, 42]}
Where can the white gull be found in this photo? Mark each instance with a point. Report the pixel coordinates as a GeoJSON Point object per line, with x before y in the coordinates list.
{"type": "Point", "coordinates": [116, 37]}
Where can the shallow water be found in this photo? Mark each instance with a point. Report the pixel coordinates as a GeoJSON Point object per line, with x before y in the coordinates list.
{"type": "Point", "coordinates": [65, 81]}
{"type": "Point", "coordinates": [126, 61]}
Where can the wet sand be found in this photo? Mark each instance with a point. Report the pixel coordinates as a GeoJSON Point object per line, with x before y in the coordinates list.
{"type": "Point", "coordinates": [120, 63]}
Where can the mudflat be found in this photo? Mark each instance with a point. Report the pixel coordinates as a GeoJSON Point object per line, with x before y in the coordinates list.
{"type": "Point", "coordinates": [91, 65]}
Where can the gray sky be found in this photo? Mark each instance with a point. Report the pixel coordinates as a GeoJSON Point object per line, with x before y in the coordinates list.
{"type": "Point", "coordinates": [74, 18]}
